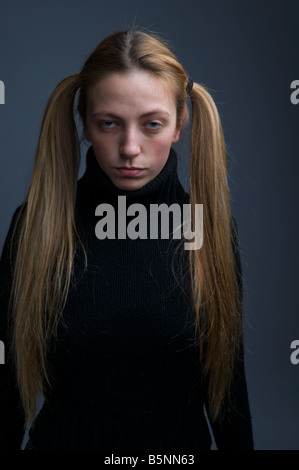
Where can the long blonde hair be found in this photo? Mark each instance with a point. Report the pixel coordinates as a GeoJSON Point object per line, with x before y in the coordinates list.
{"type": "Point", "coordinates": [46, 233]}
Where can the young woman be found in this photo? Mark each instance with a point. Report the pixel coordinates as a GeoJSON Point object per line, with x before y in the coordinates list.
{"type": "Point", "coordinates": [129, 335]}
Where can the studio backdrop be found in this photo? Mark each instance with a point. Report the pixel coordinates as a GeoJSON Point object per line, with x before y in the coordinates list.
{"type": "Point", "coordinates": [246, 54]}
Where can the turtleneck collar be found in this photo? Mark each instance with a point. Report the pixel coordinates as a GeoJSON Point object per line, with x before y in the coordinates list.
{"type": "Point", "coordinates": [96, 186]}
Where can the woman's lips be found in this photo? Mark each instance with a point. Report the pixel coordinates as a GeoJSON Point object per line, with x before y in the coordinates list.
{"type": "Point", "coordinates": [132, 172]}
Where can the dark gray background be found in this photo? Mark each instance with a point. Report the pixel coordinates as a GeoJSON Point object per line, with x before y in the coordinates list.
{"type": "Point", "coordinates": [246, 53]}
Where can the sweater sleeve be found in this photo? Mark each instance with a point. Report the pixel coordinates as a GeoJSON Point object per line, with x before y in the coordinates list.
{"type": "Point", "coordinates": [234, 430]}
{"type": "Point", "coordinates": [11, 414]}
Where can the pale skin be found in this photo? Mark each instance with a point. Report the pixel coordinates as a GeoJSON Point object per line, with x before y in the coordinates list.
{"type": "Point", "coordinates": [131, 122]}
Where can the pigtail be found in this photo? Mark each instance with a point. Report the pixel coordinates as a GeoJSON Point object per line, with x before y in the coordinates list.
{"type": "Point", "coordinates": [215, 289]}
{"type": "Point", "coordinates": [44, 254]}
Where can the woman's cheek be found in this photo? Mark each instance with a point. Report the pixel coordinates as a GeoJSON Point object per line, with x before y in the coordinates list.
{"type": "Point", "coordinates": [161, 149]}
{"type": "Point", "coordinates": [102, 146]}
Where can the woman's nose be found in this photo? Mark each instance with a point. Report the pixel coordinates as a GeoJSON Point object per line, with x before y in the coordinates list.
{"type": "Point", "coordinates": [129, 145]}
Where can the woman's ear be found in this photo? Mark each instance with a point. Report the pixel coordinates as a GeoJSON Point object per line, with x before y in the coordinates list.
{"type": "Point", "coordinates": [176, 135]}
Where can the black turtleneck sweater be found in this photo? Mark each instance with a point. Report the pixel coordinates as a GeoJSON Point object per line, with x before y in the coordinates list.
{"type": "Point", "coordinates": [125, 366]}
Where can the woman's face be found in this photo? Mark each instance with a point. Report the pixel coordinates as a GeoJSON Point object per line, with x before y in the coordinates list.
{"type": "Point", "coordinates": [131, 122]}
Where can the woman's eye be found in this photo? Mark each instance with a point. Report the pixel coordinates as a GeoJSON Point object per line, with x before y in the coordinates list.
{"type": "Point", "coordinates": [154, 125]}
{"type": "Point", "coordinates": [107, 124]}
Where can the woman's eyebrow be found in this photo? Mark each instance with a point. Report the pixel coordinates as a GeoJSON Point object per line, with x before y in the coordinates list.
{"type": "Point", "coordinates": [144, 115]}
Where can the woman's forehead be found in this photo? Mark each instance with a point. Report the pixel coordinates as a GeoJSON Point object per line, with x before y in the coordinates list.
{"type": "Point", "coordinates": [139, 90]}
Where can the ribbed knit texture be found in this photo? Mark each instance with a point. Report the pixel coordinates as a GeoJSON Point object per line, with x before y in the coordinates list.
{"type": "Point", "coordinates": [125, 368]}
